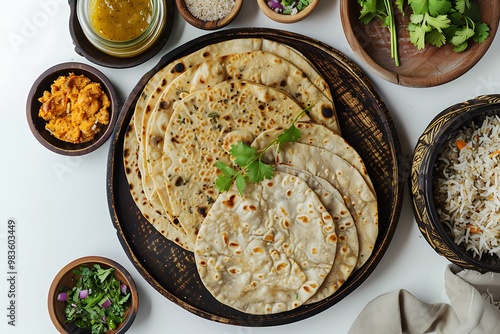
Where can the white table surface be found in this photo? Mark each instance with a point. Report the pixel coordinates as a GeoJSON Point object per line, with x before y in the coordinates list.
{"type": "Point", "coordinates": [59, 203]}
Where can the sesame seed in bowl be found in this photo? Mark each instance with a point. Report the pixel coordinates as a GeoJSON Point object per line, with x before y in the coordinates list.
{"type": "Point", "coordinates": [209, 15]}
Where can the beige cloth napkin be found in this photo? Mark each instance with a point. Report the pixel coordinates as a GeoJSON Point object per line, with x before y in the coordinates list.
{"type": "Point", "coordinates": [474, 308]}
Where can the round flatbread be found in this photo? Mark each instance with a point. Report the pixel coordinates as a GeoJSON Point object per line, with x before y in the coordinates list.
{"type": "Point", "coordinates": [269, 250]}
{"type": "Point", "coordinates": [150, 209]}
{"type": "Point", "coordinates": [154, 89]}
{"type": "Point", "coordinates": [356, 193]}
{"type": "Point", "coordinates": [320, 136]}
{"type": "Point", "coordinates": [347, 252]}
{"type": "Point", "coordinates": [257, 67]}
{"type": "Point", "coordinates": [149, 101]}
{"type": "Point", "coordinates": [203, 127]}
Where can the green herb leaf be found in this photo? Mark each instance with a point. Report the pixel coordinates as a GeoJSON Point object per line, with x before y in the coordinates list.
{"type": "Point", "coordinates": [481, 33]}
{"type": "Point", "coordinates": [461, 36]}
{"type": "Point", "coordinates": [435, 38]}
{"type": "Point", "coordinates": [87, 312]}
{"type": "Point", "coordinates": [243, 154]}
{"type": "Point", "coordinates": [257, 171]}
{"type": "Point", "coordinates": [251, 168]}
{"type": "Point", "coordinates": [439, 7]}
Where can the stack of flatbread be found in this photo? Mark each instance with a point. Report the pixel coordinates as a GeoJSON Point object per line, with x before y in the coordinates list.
{"type": "Point", "coordinates": [291, 240]}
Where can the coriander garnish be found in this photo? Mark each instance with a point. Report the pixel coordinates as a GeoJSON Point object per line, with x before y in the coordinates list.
{"type": "Point", "coordinates": [251, 168]}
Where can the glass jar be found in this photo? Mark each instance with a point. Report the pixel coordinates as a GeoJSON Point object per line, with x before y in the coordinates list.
{"type": "Point", "coordinates": [121, 47]}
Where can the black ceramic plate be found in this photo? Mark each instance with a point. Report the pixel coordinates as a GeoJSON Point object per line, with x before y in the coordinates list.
{"type": "Point", "coordinates": [426, 152]}
{"type": "Point", "coordinates": [85, 49]}
{"type": "Point", "coordinates": [365, 123]}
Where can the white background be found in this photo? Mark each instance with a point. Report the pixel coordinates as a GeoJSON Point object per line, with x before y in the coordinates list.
{"type": "Point", "coordinates": [60, 205]}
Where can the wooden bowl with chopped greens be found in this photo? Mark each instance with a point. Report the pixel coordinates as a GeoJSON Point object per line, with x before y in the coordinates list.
{"type": "Point", "coordinates": [286, 11]}
{"type": "Point", "coordinates": [417, 45]}
{"type": "Point", "coordinates": [93, 295]}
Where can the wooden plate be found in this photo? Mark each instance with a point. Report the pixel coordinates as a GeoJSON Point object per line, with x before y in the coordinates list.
{"type": "Point", "coordinates": [366, 124]}
{"type": "Point", "coordinates": [419, 68]}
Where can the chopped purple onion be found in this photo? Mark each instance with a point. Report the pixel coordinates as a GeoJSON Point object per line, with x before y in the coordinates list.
{"type": "Point", "coordinates": [83, 294]}
{"type": "Point", "coordinates": [275, 5]}
{"type": "Point", "coordinates": [63, 296]}
{"type": "Point", "coordinates": [106, 304]}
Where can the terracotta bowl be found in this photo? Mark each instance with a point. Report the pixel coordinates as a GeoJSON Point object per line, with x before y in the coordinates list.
{"type": "Point", "coordinates": [430, 66]}
{"type": "Point", "coordinates": [64, 279]}
{"type": "Point", "coordinates": [208, 25]}
{"type": "Point", "coordinates": [282, 18]}
{"type": "Point", "coordinates": [423, 179]}
{"type": "Point", "coordinates": [37, 124]}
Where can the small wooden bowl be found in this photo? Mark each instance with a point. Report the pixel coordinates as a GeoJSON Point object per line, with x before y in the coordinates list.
{"type": "Point", "coordinates": [428, 67]}
{"type": "Point", "coordinates": [64, 280]}
{"type": "Point", "coordinates": [37, 124]}
{"type": "Point", "coordinates": [282, 18]}
{"type": "Point", "coordinates": [208, 25]}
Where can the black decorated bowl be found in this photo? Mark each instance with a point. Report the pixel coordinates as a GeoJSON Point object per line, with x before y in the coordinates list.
{"type": "Point", "coordinates": [424, 174]}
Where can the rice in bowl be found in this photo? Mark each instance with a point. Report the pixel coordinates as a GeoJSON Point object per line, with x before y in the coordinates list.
{"type": "Point", "coordinates": [467, 187]}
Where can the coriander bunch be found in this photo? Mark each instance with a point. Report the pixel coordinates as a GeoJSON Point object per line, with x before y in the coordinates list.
{"type": "Point", "coordinates": [438, 22]}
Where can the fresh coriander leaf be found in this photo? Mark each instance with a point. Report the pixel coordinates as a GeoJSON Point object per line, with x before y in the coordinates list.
{"type": "Point", "coordinates": [456, 18]}
{"type": "Point", "coordinates": [461, 47]}
{"type": "Point", "coordinates": [482, 32]}
{"type": "Point", "coordinates": [225, 169]}
{"type": "Point", "coordinates": [257, 171]}
{"type": "Point", "coordinates": [417, 36]}
{"type": "Point", "coordinates": [368, 6]}
{"type": "Point", "coordinates": [241, 184]}
{"type": "Point", "coordinates": [435, 38]}
{"type": "Point", "coordinates": [439, 7]}
{"type": "Point", "coordinates": [439, 22]}
{"type": "Point", "coordinates": [290, 135]}
{"type": "Point", "coordinates": [417, 18]}
{"type": "Point", "coordinates": [102, 274]}
{"type": "Point", "coordinates": [419, 6]}
{"type": "Point", "coordinates": [461, 36]}
{"type": "Point", "coordinates": [462, 5]}
{"type": "Point", "coordinates": [224, 180]}
{"type": "Point", "coordinates": [243, 153]}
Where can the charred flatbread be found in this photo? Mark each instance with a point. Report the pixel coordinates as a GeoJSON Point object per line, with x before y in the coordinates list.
{"type": "Point", "coordinates": [267, 251]}
{"type": "Point", "coordinates": [347, 252]}
{"type": "Point", "coordinates": [257, 67]}
{"type": "Point", "coordinates": [202, 129]}
{"type": "Point", "coordinates": [320, 136]}
{"type": "Point", "coordinates": [151, 210]}
{"type": "Point", "coordinates": [356, 193]}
